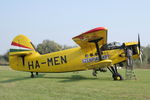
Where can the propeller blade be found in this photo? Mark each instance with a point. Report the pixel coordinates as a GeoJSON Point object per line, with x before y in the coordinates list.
{"type": "Point", "coordinates": [139, 43]}
{"type": "Point", "coordinates": [141, 60]}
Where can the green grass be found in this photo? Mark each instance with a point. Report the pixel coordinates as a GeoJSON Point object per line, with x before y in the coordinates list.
{"type": "Point", "coordinates": [15, 85]}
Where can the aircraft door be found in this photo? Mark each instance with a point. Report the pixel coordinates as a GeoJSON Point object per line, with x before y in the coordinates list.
{"type": "Point", "coordinates": [133, 48]}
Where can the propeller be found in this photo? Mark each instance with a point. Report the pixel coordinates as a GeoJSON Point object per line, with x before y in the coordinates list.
{"type": "Point", "coordinates": [139, 42]}
{"type": "Point", "coordinates": [140, 50]}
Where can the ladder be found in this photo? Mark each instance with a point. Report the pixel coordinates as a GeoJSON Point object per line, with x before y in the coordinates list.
{"type": "Point", "coordinates": [130, 74]}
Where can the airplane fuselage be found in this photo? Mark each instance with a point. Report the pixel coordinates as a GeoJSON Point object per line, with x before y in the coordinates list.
{"type": "Point", "coordinates": [74, 59]}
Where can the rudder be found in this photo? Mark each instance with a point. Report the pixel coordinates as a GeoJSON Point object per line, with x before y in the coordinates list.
{"type": "Point", "coordinates": [21, 44]}
{"type": "Point", "coordinates": [21, 47]}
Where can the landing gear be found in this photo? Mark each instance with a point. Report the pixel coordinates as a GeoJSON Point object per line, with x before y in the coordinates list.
{"type": "Point", "coordinates": [37, 73]}
{"type": "Point", "coordinates": [32, 75]}
{"type": "Point", "coordinates": [115, 74]}
{"type": "Point", "coordinates": [94, 73]}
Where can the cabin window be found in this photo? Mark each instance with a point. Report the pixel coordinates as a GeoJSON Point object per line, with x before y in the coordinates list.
{"type": "Point", "coordinates": [91, 54]}
{"type": "Point", "coordinates": [112, 45]}
{"type": "Point", "coordinates": [86, 55]}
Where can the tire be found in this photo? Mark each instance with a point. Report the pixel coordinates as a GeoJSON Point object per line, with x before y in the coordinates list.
{"type": "Point", "coordinates": [94, 74]}
{"type": "Point", "coordinates": [117, 77]}
{"type": "Point", "coordinates": [32, 75]}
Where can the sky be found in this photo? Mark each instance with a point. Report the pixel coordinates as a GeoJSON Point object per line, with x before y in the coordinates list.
{"type": "Point", "coordinates": [60, 20]}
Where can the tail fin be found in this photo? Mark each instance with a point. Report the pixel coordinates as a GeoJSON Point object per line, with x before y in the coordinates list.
{"type": "Point", "coordinates": [21, 45]}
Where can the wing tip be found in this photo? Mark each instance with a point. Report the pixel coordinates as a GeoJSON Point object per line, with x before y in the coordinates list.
{"type": "Point", "coordinates": [95, 29]}
{"type": "Point", "coordinates": [90, 31]}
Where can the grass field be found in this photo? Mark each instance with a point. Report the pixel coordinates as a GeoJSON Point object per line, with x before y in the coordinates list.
{"type": "Point", "coordinates": [15, 85]}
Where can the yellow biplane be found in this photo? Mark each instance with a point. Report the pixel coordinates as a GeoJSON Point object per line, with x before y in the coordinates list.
{"type": "Point", "coordinates": [93, 53]}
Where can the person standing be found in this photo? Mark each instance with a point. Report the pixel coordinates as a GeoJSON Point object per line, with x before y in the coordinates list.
{"type": "Point", "coordinates": [129, 57]}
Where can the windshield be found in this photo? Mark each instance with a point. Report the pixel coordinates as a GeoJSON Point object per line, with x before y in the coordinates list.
{"type": "Point", "coordinates": [112, 45]}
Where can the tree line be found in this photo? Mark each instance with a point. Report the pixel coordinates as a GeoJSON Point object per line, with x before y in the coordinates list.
{"type": "Point", "coordinates": [48, 46]}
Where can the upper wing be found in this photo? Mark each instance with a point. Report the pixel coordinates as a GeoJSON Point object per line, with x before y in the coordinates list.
{"type": "Point", "coordinates": [83, 40]}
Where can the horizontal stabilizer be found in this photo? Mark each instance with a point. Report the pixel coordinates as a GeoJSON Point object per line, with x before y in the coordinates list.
{"type": "Point", "coordinates": [20, 53]}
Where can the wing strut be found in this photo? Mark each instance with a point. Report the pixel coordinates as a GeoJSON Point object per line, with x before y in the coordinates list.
{"type": "Point", "coordinates": [97, 47]}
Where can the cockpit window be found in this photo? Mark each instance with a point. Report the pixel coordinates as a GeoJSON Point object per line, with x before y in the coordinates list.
{"type": "Point", "coordinates": [112, 45]}
{"type": "Point", "coordinates": [118, 44]}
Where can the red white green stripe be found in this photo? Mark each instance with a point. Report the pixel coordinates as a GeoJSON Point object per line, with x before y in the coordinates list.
{"type": "Point", "coordinates": [15, 47]}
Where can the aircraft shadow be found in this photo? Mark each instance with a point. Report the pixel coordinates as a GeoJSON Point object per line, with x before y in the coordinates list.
{"type": "Point", "coordinates": [74, 78]}
{"type": "Point", "coordinates": [20, 79]}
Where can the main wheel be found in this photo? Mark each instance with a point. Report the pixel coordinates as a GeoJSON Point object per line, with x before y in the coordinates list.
{"type": "Point", "coordinates": [117, 77]}
{"type": "Point", "coordinates": [37, 73]}
{"type": "Point", "coordinates": [32, 75]}
{"type": "Point", "coordinates": [94, 74]}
